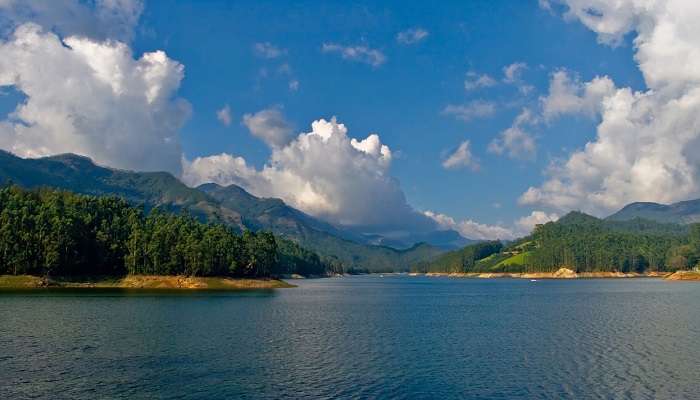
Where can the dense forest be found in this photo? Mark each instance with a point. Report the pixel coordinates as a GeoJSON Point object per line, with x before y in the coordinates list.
{"type": "Point", "coordinates": [51, 232]}
{"type": "Point", "coordinates": [584, 244]}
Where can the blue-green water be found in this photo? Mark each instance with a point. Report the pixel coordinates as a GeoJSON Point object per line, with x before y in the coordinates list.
{"type": "Point", "coordinates": [360, 337]}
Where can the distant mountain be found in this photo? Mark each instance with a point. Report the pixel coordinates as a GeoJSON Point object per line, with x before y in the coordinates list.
{"type": "Point", "coordinates": [230, 205]}
{"type": "Point", "coordinates": [634, 225]}
{"type": "Point", "coordinates": [684, 212]}
{"type": "Point", "coordinates": [445, 239]}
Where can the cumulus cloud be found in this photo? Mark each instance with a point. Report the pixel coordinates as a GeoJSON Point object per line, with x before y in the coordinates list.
{"type": "Point", "coordinates": [525, 225]}
{"type": "Point", "coordinates": [474, 230]}
{"type": "Point", "coordinates": [96, 99]}
{"type": "Point", "coordinates": [645, 144]}
{"type": "Point", "coordinates": [461, 158]}
{"type": "Point", "coordinates": [294, 85]}
{"type": "Point", "coordinates": [569, 95]}
{"type": "Point", "coordinates": [324, 173]}
{"type": "Point", "coordinates": [412, 36]}
{"type": "Point", "coordinates": [270, 126]}
{"type": "Point", "coordinates": [475, 81]}
{"type": "Point", "coordinates": [361, 54]}
{"type": "Point", "coordinates": [224, 115]}
{"type": "Point", "coordinates": [268, 50]}
{"type": "Point", "coordinates": [512, 74]}
{"type": "Point", "coordinates": [471, 229]}
{"type": "Point", "coordinates": [100, 20]}
{"type": "Point", "coordinates": [471, 110]}
{"type": "Point", "coordinates": [516, 142]}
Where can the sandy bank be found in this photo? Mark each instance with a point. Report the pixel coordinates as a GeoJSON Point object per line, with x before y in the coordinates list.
{"type": "Point", "coordinates": [561, 273]}
{"type": "Point", "coordinates": [684, 276]}
{"type": "Point", "coordinates": [141, 282]}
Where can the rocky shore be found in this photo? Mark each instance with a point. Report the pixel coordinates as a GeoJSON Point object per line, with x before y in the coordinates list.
{"type": "Point", "coordinates": [561, 273]}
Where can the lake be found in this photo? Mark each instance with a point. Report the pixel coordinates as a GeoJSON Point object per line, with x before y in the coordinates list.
{"type": "Point", "coordinates": [358, 337]}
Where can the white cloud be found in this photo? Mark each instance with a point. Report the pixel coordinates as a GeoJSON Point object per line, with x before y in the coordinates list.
{"type": "Point", "coordinates": [221, 168]}
{"type": "Point", "coordinates": [100, 20]}
{"type": "Point", "coordinates": [224, 115]}
{"type": "Point", "coordinates": [475, 81]}
{"type": "Point", "coordinates": [474, 230]}
{"type": "Point", "coordinates": [294, 85]}
{"type": "Point", "coordinates": [645, 145]}
{"type": "Point", "coordinates": [268, 50]}
{"type": "Point", "coordinates": [326, 174]}
{"type": "Point", "coordinates": [526, 224]}
{"type": "Point", "coordinates": [361, 54]}
{"type": "Point", "coordinates": [571, 96]}
{"type": "Point", "coordinates": [270, 126]}
{"type": "Point", "coordinates": [471, 229]}
{"type": "Point", "coordinates": [512, 73]}
{"type": "Point", "coordinates": [471, 110]}
{"type": "Point", "coordinates": [461, 157]}
{"type": "Point", "coordinates": [412, 36]}
{"type": "Point", "coordinates": [515, 141]}
{"type": "Point", "coordinates": [95, 100]}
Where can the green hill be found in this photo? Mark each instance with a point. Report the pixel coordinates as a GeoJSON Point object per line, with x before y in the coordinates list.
{"type": "Point", "coordinates": [582, 243]}
{"type": "Point", "coordinates": [231, 205]}
{"type": "Point", "coordinates": [684, 212]}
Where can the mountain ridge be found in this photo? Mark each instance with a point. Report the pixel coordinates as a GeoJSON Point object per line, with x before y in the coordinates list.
{"type": "Point", "coordinates": [241, 210]}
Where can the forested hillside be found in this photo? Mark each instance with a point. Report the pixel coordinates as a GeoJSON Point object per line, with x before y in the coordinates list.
{"type": "Point", "coordinates": [231, 206]}
{"type": "Point", "coordinates": [584, 244]}
{"type": "Point", "coordinates": [50, 232]}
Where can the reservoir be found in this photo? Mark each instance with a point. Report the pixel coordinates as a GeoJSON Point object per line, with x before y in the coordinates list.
{"type": "Point", "coordinates": [357, 337]}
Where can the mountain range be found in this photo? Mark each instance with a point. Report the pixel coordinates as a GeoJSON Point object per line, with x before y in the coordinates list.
{"type": "Point", "coordinates": [230, 205]}
{"type": "Point", "coordinates": [684, 212]}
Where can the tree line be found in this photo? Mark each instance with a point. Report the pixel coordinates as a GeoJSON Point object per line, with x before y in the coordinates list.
{"type": "Point", "coordinates": [588, 244]}
{"type": "Point", "coordinates": [51, 232]}
{"type": "Point", "coordinates": [582, 243]}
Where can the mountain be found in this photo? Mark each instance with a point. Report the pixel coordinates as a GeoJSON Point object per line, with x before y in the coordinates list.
{"type": "Point", "coordinates": [444, 239]}
{"type": "Point", "coordinates": [79, 174]}
{"type": "Point", "coordinates": [324, 238]}
{"type": "Point", "coordinates": [684, 212]}
{"type": "Point", "coordinates": [230, 205]}
{"type": "Point", "coordinates": [582, 243]}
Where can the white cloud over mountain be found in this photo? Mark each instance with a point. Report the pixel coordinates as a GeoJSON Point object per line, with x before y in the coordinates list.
{"type": "Point", "coordinates": [92, 97]}
{"type": "Point", "coordinates": [325, 173]}
{"type": "Point", "coordinates": [646, 143]}
{"type": "Point", "coordinates": [475, 230]}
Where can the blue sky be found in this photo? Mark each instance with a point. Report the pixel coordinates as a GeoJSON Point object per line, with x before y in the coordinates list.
{"type": "Point", "coordinates": [402, 99]}
{"type": "Point", "coordinates": [547, 74]}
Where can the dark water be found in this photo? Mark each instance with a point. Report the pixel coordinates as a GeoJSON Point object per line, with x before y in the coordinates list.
{"type": "Point", "coordinates": [362, 337]}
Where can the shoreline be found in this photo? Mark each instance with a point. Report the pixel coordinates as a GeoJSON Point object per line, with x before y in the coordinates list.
{"type": "Point", "coordinates": [562, 273]}
{"type": "Point", "coordinates": [149, 282]}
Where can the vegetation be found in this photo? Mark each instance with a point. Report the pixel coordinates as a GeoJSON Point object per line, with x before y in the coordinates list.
{"type": "Point", "coordinates": [584, 244]}
{"type": "Point", "coordinates": [48, 232]}
{"type": "Point", "coordinates": [231, 206]}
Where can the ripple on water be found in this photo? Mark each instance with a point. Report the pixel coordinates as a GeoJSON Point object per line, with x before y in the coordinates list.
{"type": "Point", "coordinates": [363, 337]}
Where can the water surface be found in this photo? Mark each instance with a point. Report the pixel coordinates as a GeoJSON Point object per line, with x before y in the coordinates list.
{"type": "Point", "coordinates": [359, 337]}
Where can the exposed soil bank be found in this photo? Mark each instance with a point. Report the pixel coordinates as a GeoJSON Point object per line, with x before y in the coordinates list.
{"type": "Point", "coordinates": [561, 273]}
{"type": "Point", "coordinates": [684, 276]}
{"type": "Point", "coordinates": [140, 282]}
